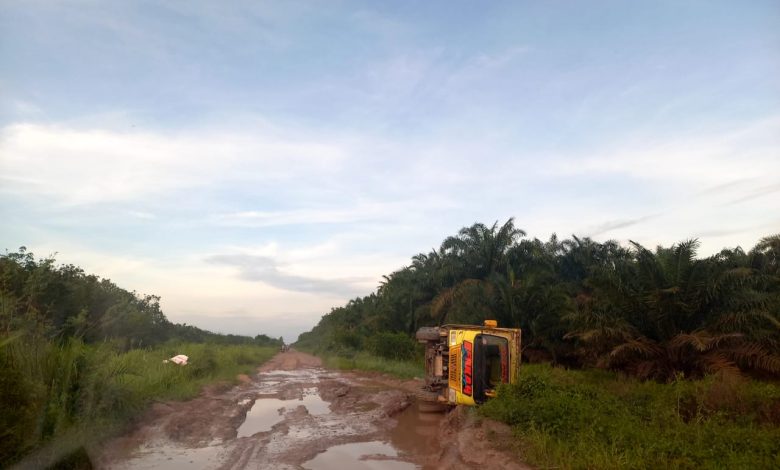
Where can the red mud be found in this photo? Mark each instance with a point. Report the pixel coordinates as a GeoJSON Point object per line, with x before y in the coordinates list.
{"type": "Point", "coordinates": [294, 414]}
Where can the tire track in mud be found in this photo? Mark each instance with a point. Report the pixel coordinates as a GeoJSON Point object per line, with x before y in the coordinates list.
{"type": "Point", "coordinates": [294, 414]}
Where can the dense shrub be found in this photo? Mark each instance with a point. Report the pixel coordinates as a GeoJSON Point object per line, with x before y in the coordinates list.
{"type": "Point", "coordinates": [584, 419]}
{"type": "Point", "coordinates": [58, 396]}
{"type": "Point", "coordinates": [397, 346]}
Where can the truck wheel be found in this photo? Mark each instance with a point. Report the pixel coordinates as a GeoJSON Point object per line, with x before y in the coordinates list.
{"type": "Point", "coordinates": [427, 402]}
{"type": "Point", "coordinates": [428, 333]}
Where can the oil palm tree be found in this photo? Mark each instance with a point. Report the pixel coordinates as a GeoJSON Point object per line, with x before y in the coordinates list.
{"type": "Point", "coordinates": [476, 258]}
{"type": "Point", "coordinates": [667, 312]}
{"type": "Point", "coordinates": [482, 250]}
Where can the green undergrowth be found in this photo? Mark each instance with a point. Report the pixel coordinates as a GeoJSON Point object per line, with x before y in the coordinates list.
{"type": "Point", "coordinates": [58, 397]}
{"type": "Point", "coordinates": [403, 369]}
{"type": "Point", "coordinates": [600, 420]}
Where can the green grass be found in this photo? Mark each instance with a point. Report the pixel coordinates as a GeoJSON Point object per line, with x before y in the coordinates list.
{"type": "Point", "coordinates": [208, 363]}
{"type": "Point", "coordinates": [365, 361]}
{"type": "Point", "coordinates": [55, 398]}
{"type": "Point", "coordinates": [599, 420]}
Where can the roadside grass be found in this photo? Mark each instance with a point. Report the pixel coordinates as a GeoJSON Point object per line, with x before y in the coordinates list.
{"type": "Point", "coordinates": [57, 398]}
{"type": "Point", "coordinates": [364, 361]}
{"type": "Point", "coordinates": [595, 419]}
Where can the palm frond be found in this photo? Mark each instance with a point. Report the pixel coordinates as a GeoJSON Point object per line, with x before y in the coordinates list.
{"type": "Point", "coordinates": [746, 319]}
{"type": "Point", "coordinates": [701, 340]}
{"type": "Point", "coordinates": [441, 303]}
{"type": "Point", "coordinates": [754, 356]}
{"type": "Point", "coordinates": [641, 347]}
{"type": "Point", "coordinates": [717, 363]}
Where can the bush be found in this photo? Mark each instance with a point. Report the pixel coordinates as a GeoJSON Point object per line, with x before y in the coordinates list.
{"type": "Point", "coordinates": [586, 419]}
{"type": "Point", "coordinates": [396, 346]}
{"type": "Point", "coordinates": [347, 340]}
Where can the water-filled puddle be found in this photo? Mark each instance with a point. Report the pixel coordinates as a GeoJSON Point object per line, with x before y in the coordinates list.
{"type": "Point", "coordinates": [172, 458]}
{"type": "Point", "coordinates": [417, 433]}
{"type": "Point", "coordinates": [313, 403]}
{"type": "Point", "coordinates": [373, 455]}
{"type": "Point", "coordinates": [267, 412]}
{"type": "Point", "coordinates": [261, 418]}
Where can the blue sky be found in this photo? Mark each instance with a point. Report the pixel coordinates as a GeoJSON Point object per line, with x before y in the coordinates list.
{"type": "Point", "coordinates": [257, 163]}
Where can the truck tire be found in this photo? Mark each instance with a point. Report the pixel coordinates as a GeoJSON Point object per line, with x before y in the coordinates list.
{"type": "Point", "coordinates": [427, 402]}
{"type": "Point", "coordinates": [428, 333]}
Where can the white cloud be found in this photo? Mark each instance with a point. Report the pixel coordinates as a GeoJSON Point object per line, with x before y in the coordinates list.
{"type": "Point", "coordinates": [268, 271]}
{"type": "Point", "coordinates": [75, 166]}
{"type": "Point", "coordinates": [331, 267]}
{"type": "Point", "coordinates": [347, 212]}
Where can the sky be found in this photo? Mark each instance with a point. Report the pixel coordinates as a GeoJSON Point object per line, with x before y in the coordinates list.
{"type": "Point", "coordinates": [257, 163]}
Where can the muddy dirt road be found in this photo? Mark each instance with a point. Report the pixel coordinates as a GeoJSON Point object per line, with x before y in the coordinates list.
{"type": "Point", "coordinates": [293, 414]}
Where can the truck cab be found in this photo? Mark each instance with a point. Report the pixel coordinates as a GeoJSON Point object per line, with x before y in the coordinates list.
{"type": "Point", "coordinates": [464, 364]}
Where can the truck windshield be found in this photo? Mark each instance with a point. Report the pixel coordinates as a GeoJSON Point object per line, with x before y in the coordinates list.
{"type": "Point", "coordinates": [491, 364]}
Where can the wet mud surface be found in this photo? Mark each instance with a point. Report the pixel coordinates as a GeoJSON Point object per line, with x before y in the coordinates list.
{"type": "Point", "coordinates": [294, 414]}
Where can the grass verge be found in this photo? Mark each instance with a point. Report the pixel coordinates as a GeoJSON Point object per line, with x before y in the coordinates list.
{"type": "Point", "coordinates": [58, 398]}
{"type": "Point", "coordinates": [595, 419]}
{"type": "Point", "coordinates": [365, 361]}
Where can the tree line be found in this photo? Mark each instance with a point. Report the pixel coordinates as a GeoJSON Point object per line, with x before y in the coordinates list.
{"type": "Point", "coordinates": [61, 302]}
{"type": "Point", "coordinates": [652, 313]}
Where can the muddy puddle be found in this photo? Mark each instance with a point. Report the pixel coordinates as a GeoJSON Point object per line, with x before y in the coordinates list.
{"type": "Point", "coordinates": [413, 437]}
{"type": "Point", "coordinates": [168, 457]}
{"type": "Point", "coordinates": [417, 433]}
{"type": "Point", "coordinates": [374, 455]}
{"type": "Point", "coordinates": [267, 412]}
{"type": "Point", "coordinates": [289, 419]}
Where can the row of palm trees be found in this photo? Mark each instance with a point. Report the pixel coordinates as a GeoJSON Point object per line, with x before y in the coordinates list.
{"type": "Point", "coordinates": [651, 313]}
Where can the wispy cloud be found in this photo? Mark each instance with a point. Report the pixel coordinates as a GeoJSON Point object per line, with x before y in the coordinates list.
{"type": "Point", "coordinates": [297, 217]}
{"type": "Point", "coordinates": [608, 226]}
{"type": "Point", "coordinates": [86, 166]}
{"type": "Point", "coordinates": [267, 270]}
{"type": "Point", "coordinates": [757, 193]}
{"type": "Point", "coordinates": [703, 159]}
{"type": "Point", "coordinates": [345, 212]}
{"type": "Point", "coordinates": [728, 186]}
{"type": "Point", "coordinates": [142, 215]}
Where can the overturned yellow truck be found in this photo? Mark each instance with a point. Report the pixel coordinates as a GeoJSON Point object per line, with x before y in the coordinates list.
{"type": "Point", "coordinates": [464, 364]}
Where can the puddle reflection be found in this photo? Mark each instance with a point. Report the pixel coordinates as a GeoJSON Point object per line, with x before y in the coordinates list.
{"type": "Point", "coordinates": [261, 418]}
{"type": "Point", "coordinates": [313, 402]}
{"type": "Point", "coordinates": [417, 433]}
{"type": "Point", "coordinates": [267, 412]}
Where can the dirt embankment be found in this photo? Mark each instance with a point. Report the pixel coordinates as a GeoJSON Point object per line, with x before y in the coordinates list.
{"type": "Point", "coordinates": [295, 414]}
